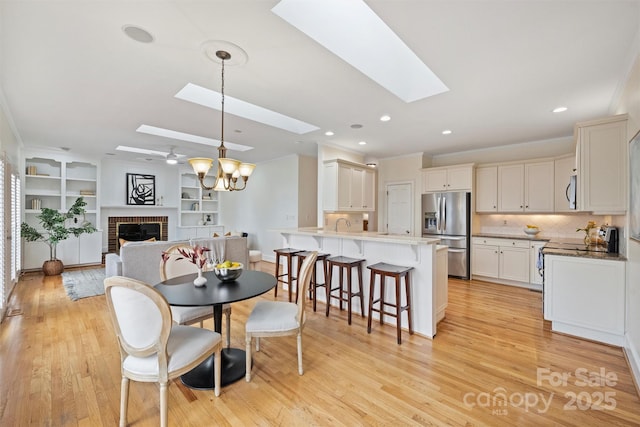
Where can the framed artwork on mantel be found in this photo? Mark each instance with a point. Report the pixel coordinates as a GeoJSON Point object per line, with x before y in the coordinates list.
{"type": "Point", "coordinates": [141, 189]}
{"type": "Point", "coordinates": [634, 174]}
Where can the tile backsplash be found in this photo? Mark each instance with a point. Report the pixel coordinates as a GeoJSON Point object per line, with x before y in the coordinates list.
{"type": "Point", "coordinates": [551, 226]}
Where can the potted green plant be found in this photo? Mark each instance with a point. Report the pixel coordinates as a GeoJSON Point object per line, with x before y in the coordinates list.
{"type": "Point", "coordinates": [54, 229]}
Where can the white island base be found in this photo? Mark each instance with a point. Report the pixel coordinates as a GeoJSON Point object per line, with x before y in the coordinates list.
{"type": "Point", "coordinates": [428, 277]}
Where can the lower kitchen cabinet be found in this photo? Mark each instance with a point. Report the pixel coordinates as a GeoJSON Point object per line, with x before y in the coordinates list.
{"type": "Point", "coordinates": [507, 260]}
{"type": "Point", "coordinates": [585, 297]}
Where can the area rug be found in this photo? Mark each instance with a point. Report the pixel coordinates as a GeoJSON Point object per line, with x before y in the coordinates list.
{"type": "Point", "coordinates": [83, 283]}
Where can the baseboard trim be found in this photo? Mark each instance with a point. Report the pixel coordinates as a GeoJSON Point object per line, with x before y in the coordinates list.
{"type": "Point", "coordinates": [633, 360]}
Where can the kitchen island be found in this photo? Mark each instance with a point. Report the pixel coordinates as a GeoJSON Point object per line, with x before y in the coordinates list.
{"type": "Point", "coordinates": [425, 255]}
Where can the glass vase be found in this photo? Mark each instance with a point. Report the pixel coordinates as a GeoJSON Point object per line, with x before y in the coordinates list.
{"type": "Point", "coordinates": [200, 280]}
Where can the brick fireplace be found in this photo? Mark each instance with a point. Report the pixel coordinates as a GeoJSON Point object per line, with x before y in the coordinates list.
{"type": "Point", "coordinates": [114, 221]}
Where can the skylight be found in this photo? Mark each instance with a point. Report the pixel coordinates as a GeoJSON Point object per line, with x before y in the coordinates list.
{"type": "Point", "coordinates": [353, 32]}
{"type": "Point", "coordinates": [212, 99]}
{"type": "Point", "coordinates": [168, 133]}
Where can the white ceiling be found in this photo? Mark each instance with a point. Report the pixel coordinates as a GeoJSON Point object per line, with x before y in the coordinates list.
{"type": "Point", "coordinates": [71, 78]}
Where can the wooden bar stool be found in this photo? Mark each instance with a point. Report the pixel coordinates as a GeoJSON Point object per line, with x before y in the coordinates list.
{"type": "Point", "coordinates": [287, 277]}
{"type": "Point", "coordinates": [347, 265]}
{"type": "Point", "coordinates": [314, 284]}
{"type": "Point", "coordinates": [397, 272]}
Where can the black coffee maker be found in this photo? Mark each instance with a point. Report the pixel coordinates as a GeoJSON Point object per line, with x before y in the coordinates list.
{"type": "Point", "coordinates": [610, 237]}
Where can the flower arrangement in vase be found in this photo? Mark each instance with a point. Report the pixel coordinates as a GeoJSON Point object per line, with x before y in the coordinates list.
{"type": "Point", "coordinates": [196, 255]}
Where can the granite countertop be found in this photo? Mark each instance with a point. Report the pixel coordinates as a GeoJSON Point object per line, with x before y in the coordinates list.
{"type": "Point", "coordinates": [361, 235]}
{"type": "Point", "coordinates": [584, 254]}
{"type": "Point", "coordinates": [513, 237]}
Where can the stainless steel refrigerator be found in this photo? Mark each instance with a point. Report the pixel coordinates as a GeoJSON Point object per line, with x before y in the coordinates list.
{"type": "Point", "coordinates": [448, 217]}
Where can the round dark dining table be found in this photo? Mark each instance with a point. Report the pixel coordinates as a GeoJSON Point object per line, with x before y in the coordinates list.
{"type": "Point", "coordinates": [180, 291]}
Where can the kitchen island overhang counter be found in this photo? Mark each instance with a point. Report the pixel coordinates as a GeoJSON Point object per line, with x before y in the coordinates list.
{"type": "Point", "coordinates": [428, 283]}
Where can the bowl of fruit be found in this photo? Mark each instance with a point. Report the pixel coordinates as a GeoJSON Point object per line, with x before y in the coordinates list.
{"type": "Point", "coordinates": [228, 271]}
{"type": "Point", "coordinates": [531, 230]}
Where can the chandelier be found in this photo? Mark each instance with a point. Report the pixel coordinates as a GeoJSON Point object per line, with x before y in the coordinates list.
{"type": "Point", "coordinates": [229, 170]}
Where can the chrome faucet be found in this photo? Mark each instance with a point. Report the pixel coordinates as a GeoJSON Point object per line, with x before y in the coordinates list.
{"type": "Point", "coordinates": [346, 222]}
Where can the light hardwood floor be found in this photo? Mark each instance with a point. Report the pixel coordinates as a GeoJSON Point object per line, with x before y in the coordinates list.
{"type": "Point", "coordinates": [59, 366]}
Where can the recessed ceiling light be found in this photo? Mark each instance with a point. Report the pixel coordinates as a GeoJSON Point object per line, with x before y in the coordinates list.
{"type": "Point", "coordinates": [362, 143]}
{"type": "Point", "coordinates": [212, 99]}
{"type": "Point", "coordinates": [138, 34]}
{"type": "Point", "coordinates": [385, 118]}
{"type": "Point", "coordinates": [375, 50]}
{"type": "Point", "coordinates": [168, 133]}
{"type": "Point", "coordinates": [356, 126]}
{"type": "Point", "coordinates": [560, 109]}
{"type": "Point", "coordinates": [329, 133]}
{"type": "Point", "coordinates": [446, 132]}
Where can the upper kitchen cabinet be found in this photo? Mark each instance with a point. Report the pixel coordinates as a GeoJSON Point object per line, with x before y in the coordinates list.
{"type": "Point", "coordinates": [564, 168]}
{"type": "Point", "coordinates": [449, 178]}
{"type": "Point", "coordinates": [538, 186]}
{"type": "Point", "coordinates": [515, 187]}
{"type": "Point", "coordinates": [601, 157]}
{"type": "Point", "coordinates": [348, 186]}
{"type": "Point", "coordinates": [487, 189]}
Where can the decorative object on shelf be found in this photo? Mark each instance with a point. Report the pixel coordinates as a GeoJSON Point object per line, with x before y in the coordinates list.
{"type": "Point", "coordinates": [587, 231]}
{"type": "Point", "coordinates": [54, 230]}
{"type": "Point", "coordinates": [141, 189]}
{"type": "Point", "coordinates": [229, 170]}
{"type": "Point", "coordinates": [32, 170]}
{"type": "Point", "coordinates": [228, 271]}
{"type": "Point", "coordinates": [196, 255]}
{"type": "Point", "coordinates": [531, 230]}
{"type": "Point", "coordinates": [87, 192]}
{"type": "Point", "coordinates": [185, 195]}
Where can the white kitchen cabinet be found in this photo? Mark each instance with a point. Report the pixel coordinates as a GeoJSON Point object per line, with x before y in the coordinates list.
{"type": "Point", "coordinates": [526, 187]}
{"type": "Point", "coordinates": [563, 169]}
{"type": "Point", "coordinates": [511, 188]}
{"type": "Point", "coordinates": [449, 178]}
{"type": "Point", "coordinates": [486, 189]}
{"type": "Point", "coordinates": [486, 259]}
{"type": "Point", "coordinates": [369, 190]}
{"type": "Point", "coordinates": [538, 186]}
{"type": "Point", "coordinates": [348, 187]}
{"type": "Point", "coordinates": [504, 259]}
{"type": "Point", "coordinates": [586, 297]}
{"type": "Point", "coordinates": [535, 276]}
{"type": "Point", "coordinates": [442, 281]}
{"type": "Point", "coordinates": [601, 149]}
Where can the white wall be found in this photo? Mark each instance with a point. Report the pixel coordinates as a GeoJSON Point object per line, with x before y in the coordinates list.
{"type": "Point", "coordinates": [307, 191]}
{"type": "Point", "coordinates": [523, 151]}
{"type": "Point", "coordinates": [630, 103]}
{"type": "Point", "coordinates": [270, 201]}
{"type": "Point", "coordinates": [8, 142]}
{"type": "Point", "coordinates": [399, 170]}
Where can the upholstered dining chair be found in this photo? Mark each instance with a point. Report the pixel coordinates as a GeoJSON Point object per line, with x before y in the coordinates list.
{"type": "Point", "coordinates": [280, 318]}
{"type": "Point", "coordinates": [173, 264]}
{"type": "Point", "coordinates": [152, 347]}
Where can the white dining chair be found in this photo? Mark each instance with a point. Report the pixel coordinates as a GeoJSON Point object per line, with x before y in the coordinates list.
{"type": "Point", "coordinates": [173, 264]}
{"type": "Point", "coordinates": [280, 318]}
{"type": "Point", "coordinates": [152, 347]}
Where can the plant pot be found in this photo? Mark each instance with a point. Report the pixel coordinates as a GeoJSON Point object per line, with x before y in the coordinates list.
{"type": "Point", "coordinates": [52, 267]}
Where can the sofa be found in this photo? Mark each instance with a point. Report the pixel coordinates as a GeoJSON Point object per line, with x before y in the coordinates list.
{"type": "Point", "coordinates": [141, 260]}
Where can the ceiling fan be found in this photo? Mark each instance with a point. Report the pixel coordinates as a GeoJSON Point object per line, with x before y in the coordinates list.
{"type": "Point", "coordinates": [170, 157]}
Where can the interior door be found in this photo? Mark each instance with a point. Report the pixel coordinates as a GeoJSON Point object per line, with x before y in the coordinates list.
{"type": "Point", "coordinates": [400, 208]}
